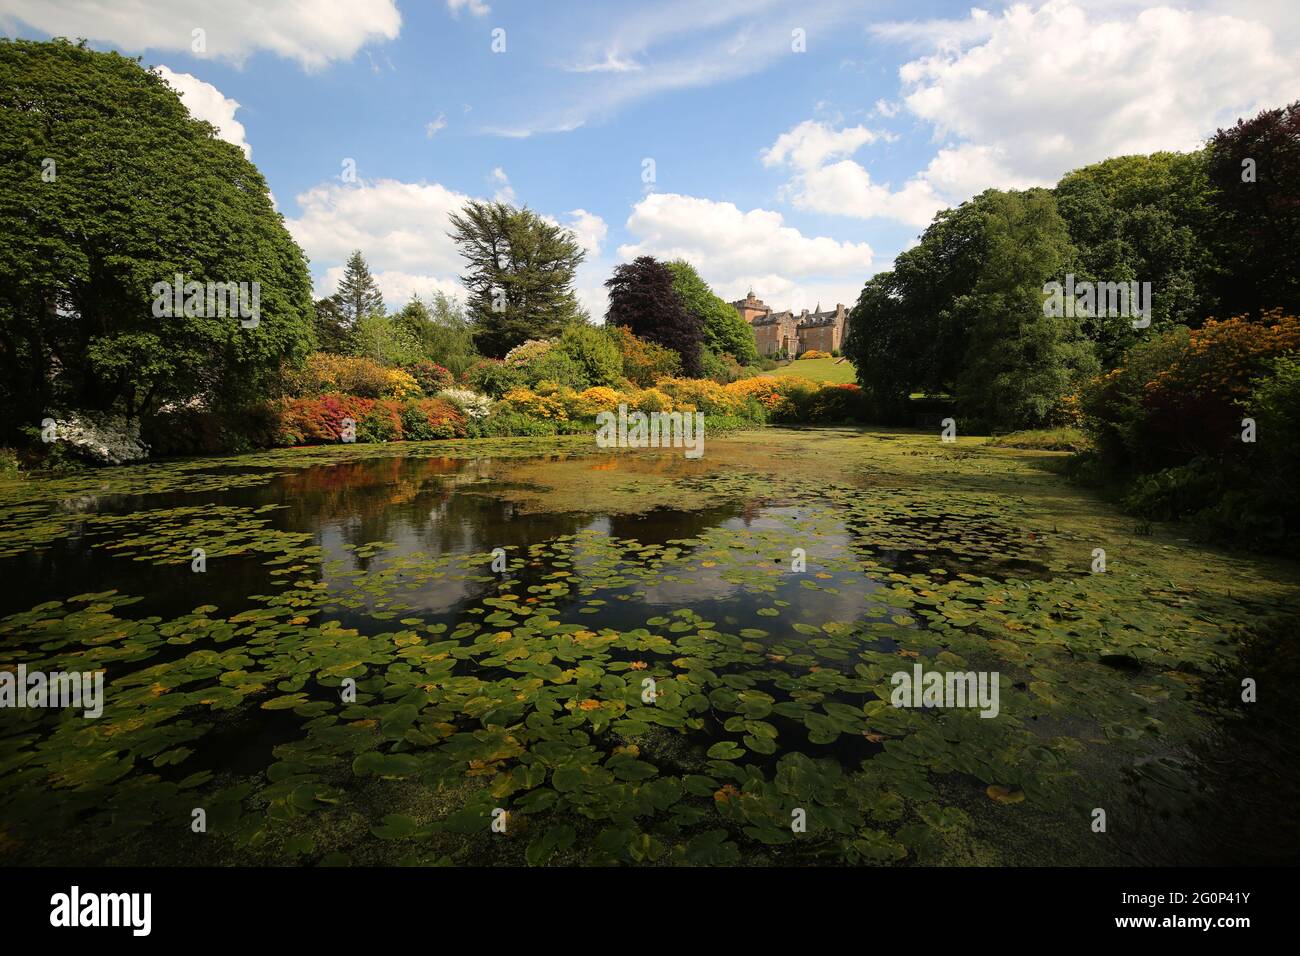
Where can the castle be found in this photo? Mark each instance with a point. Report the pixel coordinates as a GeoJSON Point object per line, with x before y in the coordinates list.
{"type": "Point", "coordinates": [784, 332]}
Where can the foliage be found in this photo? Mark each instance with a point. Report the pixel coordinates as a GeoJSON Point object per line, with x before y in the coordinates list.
{"type": "Point", "coordinates": [141, 192]}
{"type": "Point", "coordinates": [351, 375]}
{"type": "Point", "coordinates": [643, 298]}
{"type": "Point", "coordinates": [357, 296]}
{"type": "Point", "coordinates": [320, 419]}
{"type": "Point", "coordinates": [1183, 394]}
{"type": "Point", "coordinates": [1020, 363]}
{"type": "Point", "coordinates": [493, 377]}
{"type": "Point", "coordinates": [644, 362]}
{"type": "Point", "coordinates": [1259, 222]}
{"type": "Point", "coordinates": [520, 274]}
{"type": "Point", "coordinates": [431, 377]}
{"type": "Point", "coordinates": [388, 342]}
{"type": "Point", "coordinates": [594, 351]}
{"type": "Point", "coordinates": [333, 330]}
{"type": "Point", "coordinates": [724, 331]}
{"type": "Point", "coordinates": [440, 329]}
{"type": "Point", "coordinates": [1143, 219]}
{"type": "Point", "coordinates": [474, 405]}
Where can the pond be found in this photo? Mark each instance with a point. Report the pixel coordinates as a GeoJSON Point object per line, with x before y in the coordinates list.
{"type": "Point", "coordinates": [537, 651]}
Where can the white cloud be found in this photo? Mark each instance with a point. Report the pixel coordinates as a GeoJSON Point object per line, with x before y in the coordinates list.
{"type": "Point", "coordinates": [733, 249]}
{"type": "Point", "coordinates": [1054, 88]}
{"type": "Point", "coordinates": [1021, 98]}
{"type": "Point", "coordinates": [811, 143]}
{"type": "Point", "coordinates": [396, 286]}
{"type": "Point", "coordinates": [476, 7]}
{"type": "Point", "coordinates": [206, 102]}
{"type": "Point", "coordinates": [611, 64]}
{"type": "Point", "coordinates": [401, 227]}
{"type": "Point", "coordinates": [432, 127]}
{"type": "Point", "coordinates": [504, 191]}
{"type": "Point", "coordinates": [311, 33]}
{"type": "Point", "coordinates": [589, 229]}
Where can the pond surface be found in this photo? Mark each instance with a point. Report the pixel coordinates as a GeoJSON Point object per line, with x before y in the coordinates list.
{"type": "Point", "coordinates": [371, 654]}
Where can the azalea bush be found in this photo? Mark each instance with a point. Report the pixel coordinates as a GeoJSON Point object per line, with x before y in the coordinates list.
{"type": "Point", "coordinates": [325, 372]}
{"type": "Point", "coordinates": [322, 419]}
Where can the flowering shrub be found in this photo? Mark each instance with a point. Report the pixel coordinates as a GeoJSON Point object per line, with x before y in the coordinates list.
{"type": "Point", "coordinates": [1181, 394]}
{"type": "Point", "coordinates": [814, 354]}
{"type": "Point", "coordinates": [529, 352]}
{"type": "Point", "coordinates": [596, 399]}
{"type": "Point", "coordinates": [431, 377]}
{"type": "Point", "coordinates": [529, 403]}
{"type": "Point", "coordinates": [644, 362]}
{"type": "Point", "coordinates": [702, 394]}
{"type": "Point", "coordinates": [325, 372]}
{"type": "Point", "coordinates": [471, 403]}
{"type": "Point", "coordinates": [320, 419]}
{"type": "Point", "coordinates": [650, 400]}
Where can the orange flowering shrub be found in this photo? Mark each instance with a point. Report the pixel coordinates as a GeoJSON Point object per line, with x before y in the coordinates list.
{"type": "Point", "coordinates": [1181, 394]}
{"type": "Point", "coordinates": [650, 400]}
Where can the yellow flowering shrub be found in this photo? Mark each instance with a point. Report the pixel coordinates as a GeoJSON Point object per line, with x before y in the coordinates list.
{"type": "Point", "coordinates": [527, 402]}
{"type": "Point", "coordinates": [598, 398]}
{"type": "Point", "coordinates": [702, 394]}
{"type": "Point", "coordinates": [354, 375]}
{"type": "Point", "coordinates": [650, 400]}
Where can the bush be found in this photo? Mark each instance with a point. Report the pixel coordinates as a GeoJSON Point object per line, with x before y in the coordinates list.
{"type": "Point", "coordinates": [595, 352]}
{"type": "Point", "coordinates": [431, 377]}
{"type": "Point", "coordinates": [325, 372]}
{"type": "Point", "coordinates": [493, 377]}
{"type": "Point", "coordinates": [472, 404]}
{"type": "Point", "coordinates": [644, 363]}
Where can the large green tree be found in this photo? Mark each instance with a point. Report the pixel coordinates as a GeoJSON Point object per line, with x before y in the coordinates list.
{"type": "Point", "coordinates": [520, 274]}
{"type": "Point", "coordinates": [1144, 219]}
{"type": "Point", "coordinates": [1019, 361]}
{"type": "Point", "coordinates": [961, 313]}
{"type": "Point", "coordinates": [723, 329]}
{"type": "Point", "coordinates": [108, 187]}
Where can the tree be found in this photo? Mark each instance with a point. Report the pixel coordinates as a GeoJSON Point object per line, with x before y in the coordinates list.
{"type": "Point", "coordinates": [1143, 219]}
{"type": "Point", "coordinates": [137, 192]}
{"type": "Point", "coordinates": [1019, 362]}
{"type": "Point", "coordinates": [724, 331]}
{"type": "Point", "coordinates": [440, 328]}
{"type": "Point", "coordinates": [520, 276]}
{"type": "Point", "coordinates": [358, 296]}
{"type": "Point", "coordinates": [333, 333]}
{"type": "Point", "coordinates": [962, 313]}
{"type": "Point", "coordinates": [642, 298]}
{"type": "Point", "coordinates": [1260, 213]}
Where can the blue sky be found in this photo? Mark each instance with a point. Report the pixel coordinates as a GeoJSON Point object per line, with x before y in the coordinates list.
{"type": "Point", "coordinates": [796, 146]}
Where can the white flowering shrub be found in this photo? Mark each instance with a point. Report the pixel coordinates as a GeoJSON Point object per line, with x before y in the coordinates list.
{"type": "Point", "coordinates": [104, 439]}
{"type": "Point", "coordinates": [471, 403]}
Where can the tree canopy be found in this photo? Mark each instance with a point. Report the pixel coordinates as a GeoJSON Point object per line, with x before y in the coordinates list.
{"type": "Point", "coordinates": [643, 298]}
{"type": "Point", "coordinates": [108, 187]}
{"type": "Point", "coordinates": [723, 330]}
{"type": "Point", "coordinates": [520, 274]}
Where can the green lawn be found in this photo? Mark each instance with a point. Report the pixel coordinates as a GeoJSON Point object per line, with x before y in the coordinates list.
{"type": "Point", "coordinates": [818, 370]}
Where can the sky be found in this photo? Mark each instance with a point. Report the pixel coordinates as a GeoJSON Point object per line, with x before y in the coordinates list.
{"type": "Point", "coordinates": [791, 147]}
